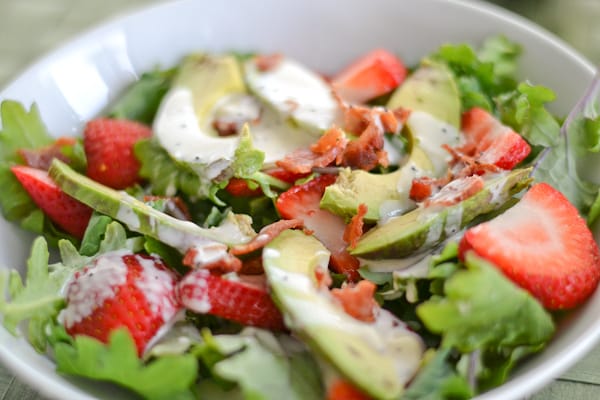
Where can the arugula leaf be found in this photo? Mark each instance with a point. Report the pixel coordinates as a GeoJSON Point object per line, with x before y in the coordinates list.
{"type": "Point", "coordinates": [39, 300]}
{"type": "Point", "coordinates": [438, 380]}
{"type": "Point", "coordinates": [481, 76]}
{"type": "Point", "coordinates": [524, 110]}
{"type": "Point", "coordinates": [142, 99]}
{"type": "Point", "coordinates": [482, 308]}
{"type": "Point", "coordinates": [168, 377]}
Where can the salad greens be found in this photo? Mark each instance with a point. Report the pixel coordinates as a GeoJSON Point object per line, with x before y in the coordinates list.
{"type": "Point", "coordinates": [475, 323]}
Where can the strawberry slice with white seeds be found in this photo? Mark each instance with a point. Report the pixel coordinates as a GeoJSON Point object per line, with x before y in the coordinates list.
{"type": "Point", "coordinates": [66, 212]}
{"type": "Point", "coordinates": [302, 202]}
{"type": "Point", "coordinates": [244, 300]}
{"type": "Point", "coordinates": [543, 245]}
{"type": "Point", "coordinates": [121, 290]}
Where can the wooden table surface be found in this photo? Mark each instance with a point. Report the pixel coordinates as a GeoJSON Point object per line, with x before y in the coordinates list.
{"type": "Point", "coordinates": [30, 28]}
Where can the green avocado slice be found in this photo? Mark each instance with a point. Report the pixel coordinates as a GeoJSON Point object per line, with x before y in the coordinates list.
{"type": "Point", "coordinates": [355, 187]}
{"type": "Point", "coordinates": [139, 217]}
{"type": "Point", "coordinates": [430, 88]}
{"type": "Point", "coordinates": [379, 358]}
{"type": "Point", "coordinates": [425, 228]}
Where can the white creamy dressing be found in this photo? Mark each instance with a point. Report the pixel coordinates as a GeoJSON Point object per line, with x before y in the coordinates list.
{"type": "Point", "coordinates": [431, 134]}
{"type": "Point", "coordinates": [408, 264]}
{"type": "Point", "coordinates": [186, 139]}
{"type": "Point", "coordinates": [295, 91]}
{"type": "Point", "coordinates": [180, 133]}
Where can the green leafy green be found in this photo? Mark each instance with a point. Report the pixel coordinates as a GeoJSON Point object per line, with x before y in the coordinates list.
{"type": "Point", "coordinates": [39, 300]}
{"type": "Point", "coordinates": [247, 165]}
{"type": "Point", "coordinates": [142, 99]}
{"type": "Point", "coordinates": [166, 175]}
{"type": "Point", "coordinates": [22, 129]}
{"type": "Point", "coordinates": [481, 76]}
{"type": "Point", "coordinates": [168, 377]}
{"type": "Point", "coordinates": [482, 308]}
{"type": "Point", "coordinates": [438, 380]}
{"type": "Point", "coordinates": [524, 110]}
{"type": "Point", "coordinates": [286, 369]}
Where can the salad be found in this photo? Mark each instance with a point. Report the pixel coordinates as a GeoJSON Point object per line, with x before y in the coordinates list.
{"type": "Point", "coordinates": [240, 226]}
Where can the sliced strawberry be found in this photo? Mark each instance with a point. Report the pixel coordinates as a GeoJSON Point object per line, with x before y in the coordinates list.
{"type": "Point", "coordinates": [358, 300]}
{"type": "Point", "coordinates": [543, 245]}
{"type": "Point", "coordinates": [42, 158]}
{"type": "Point", "coordinates": [244, 300]}
{"type": "Point", "coordinates": [108, 145]}
{"type": "Point", "coordinates": [66, 212]}
{"type": "Point", "coordinates": [374, 74]}
{"type": "Point", "coordinates": [490, 141]}
{"type": "Point", "coordinates": [341, 389]}
{"type": "Point", "coordinates": [286, 176]}
{"type": "Point", "coordinates": [303, 202]}
{"type": "Point", "coordinates": [121, 290]}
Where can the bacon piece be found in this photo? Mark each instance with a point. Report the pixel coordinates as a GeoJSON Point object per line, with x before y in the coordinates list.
{"type": "Point", "coordinates": [424, 187]}
{"type": "Point", "coordinates": [456, 191]}
{"type": "Point", "coordinates": [325, 151]}
{"type": "Point", "coordinates": [366, 152]}
{"type": "Point", "coordinates": [358, 300]}
{"type": "Point", "coordinates": [266, 62]}
{"type": "Point", "coordinates": [265, 236]}
{"type": "Point", "coordinates": [42, 158]}
{"type": "Point", "coordinates": [465, 165]}
{"type": "Point", "coordinates": [354, 230]}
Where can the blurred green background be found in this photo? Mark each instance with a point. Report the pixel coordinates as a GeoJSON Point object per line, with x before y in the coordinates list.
{"type": "Point", "coordinates": [30, 28]}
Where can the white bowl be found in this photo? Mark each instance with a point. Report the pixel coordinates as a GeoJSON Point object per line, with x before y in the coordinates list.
{"type": "Point", "coordinates": [77, 81]}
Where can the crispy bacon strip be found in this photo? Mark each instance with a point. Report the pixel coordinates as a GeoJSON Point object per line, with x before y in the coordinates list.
{"type": "Point", "coordinates": [366, 152]}
{"type": "Point", "coordinates": [354, 230]}
{"type": "Point", "coordinates": [325, 151]}
{"type": "Point", "coordinates": [358, 300]}
{"type": "Point", "coordinates": [265, 236]}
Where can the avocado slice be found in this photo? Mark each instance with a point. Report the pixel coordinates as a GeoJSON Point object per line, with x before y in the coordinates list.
{"type": "Point", "coordinates": [355, 187]}
{"type": "Point", "coordinates": [295, 92]}
{"type": "Point", "coordinates": [139, 217]}
{"type": "Point", "coordinates": [379, 357]}
{"type": "Point", "coordinates": [424, 228]}
{"type": "Point", "coordinates": [183, 123]}
{"type": "Point", "coordinates": [430, 88]}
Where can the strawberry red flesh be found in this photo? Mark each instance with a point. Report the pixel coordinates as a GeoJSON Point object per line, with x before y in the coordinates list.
{"type": "Point", "coordinates": [372, 75]}
{"type": "Point", "coordinates": [490, 141]}
{"type": "Point", "coordinates": [69, 214]}
{"type": "Point", "coordinates": [302, 202]}
{"type": "Point", "coordinates": [121, 290]}
{"type": "Point", "coordinates": [543, 245]}
{"type": "Point", "coordinates": [242, 300]}
{"type": "Point", "coordinates": [108, 145]}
